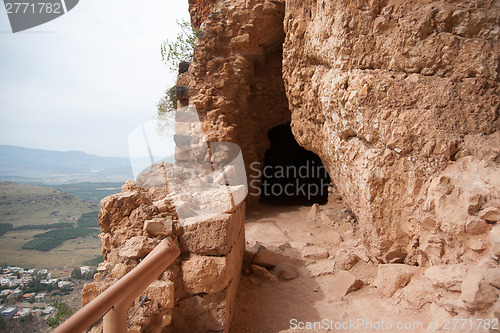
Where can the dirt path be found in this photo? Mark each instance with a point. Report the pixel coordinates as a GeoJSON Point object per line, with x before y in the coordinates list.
{"type": "Point", "coordinates": [267, 304]}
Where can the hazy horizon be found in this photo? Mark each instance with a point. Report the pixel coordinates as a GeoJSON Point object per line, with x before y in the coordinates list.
{"type": "Point", "coordinates": [85, 80]}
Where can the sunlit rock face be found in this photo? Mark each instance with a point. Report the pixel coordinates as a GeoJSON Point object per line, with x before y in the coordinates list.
{"type": "Point", "coordinates": [400, 100]}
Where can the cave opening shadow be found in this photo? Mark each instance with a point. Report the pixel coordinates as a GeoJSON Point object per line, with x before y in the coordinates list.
{"type": "Point", "coordinates": [292, 175]}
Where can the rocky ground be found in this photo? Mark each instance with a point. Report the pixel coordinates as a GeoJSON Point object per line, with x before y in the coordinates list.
{"type": "Point", "coordinates": [306, 264]}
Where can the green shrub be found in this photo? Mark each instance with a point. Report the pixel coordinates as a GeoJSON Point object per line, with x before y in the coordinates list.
{"type": "Point", "coordinates": [63, 313]}
{"type": "Point", "coordinates": [4, 227]}
{"type": "Point", "coordinates": [173, 53]}
{"type": "Point", "coordinates": [181, 49]}
{"type": "Point", "coordinates": [168, 102]}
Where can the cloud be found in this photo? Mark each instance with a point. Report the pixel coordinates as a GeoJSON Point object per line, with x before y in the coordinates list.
{"type": "Point", "coordinates": [85, 80]}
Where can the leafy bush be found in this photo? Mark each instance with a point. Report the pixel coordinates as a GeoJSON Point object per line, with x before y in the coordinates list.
{"type": "Point", "coordinates": [168, 102]}
{"type": "Point", "coordinates": [173, 53]}
{"type": "Point", "coordinates": [181, 49]}
{"type": "Point", "coordinates": [4, 227]}
{"type": "Point", "coordinates": [63, 313]}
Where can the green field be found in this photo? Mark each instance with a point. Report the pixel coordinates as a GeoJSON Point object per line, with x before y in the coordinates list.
{"type": "Point", "coordinates": [72, 253]}
{"type": "Point", "coordinates": [22, 204]}
{"type": "Point", "coordinates": [92, 192]}
{"type": "Point", "coordinates": [46, 228]}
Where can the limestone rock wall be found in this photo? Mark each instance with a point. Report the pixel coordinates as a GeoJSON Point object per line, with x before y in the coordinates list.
{"type": "Point", "coordinates": [196, 293]}
{"type": "Point", "coordinates": [400, 99]}
{"type": "Point", "coordinates": [235, 79]}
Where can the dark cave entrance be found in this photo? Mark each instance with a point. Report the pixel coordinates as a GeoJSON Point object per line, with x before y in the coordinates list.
{"type": "Point", "coordinates": [292, 175]}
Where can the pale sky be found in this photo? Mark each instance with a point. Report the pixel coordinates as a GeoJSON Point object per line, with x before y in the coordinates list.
{"type": "Point", "coordinates": [85, 80]}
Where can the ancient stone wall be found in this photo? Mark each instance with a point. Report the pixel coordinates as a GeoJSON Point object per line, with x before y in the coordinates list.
{"type": "Point", "coordinates": [235, 79]}
{"type": "Point", "coordinates": [199, 10]}
{"type": "Point", "coordinates": [400, 99]}
{"type": "Point", "coordinates": [196, 293]}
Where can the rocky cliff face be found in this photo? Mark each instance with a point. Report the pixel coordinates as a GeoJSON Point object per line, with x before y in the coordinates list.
{"type": "Point", "coordinates": [399, 99]}
{"type": "Point", "coordinates": [395, 97]}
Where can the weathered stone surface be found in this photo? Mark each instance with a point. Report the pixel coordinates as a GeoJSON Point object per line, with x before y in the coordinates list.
{"type": "Point", "coordinates": [399, 100]}
{"type": "Point", "coordinates": [477, 245]}
{"type": "Point", "coordinates": [286, 271]}
{"type": "Point", "coordinates": [129, 234]}
{"type": "Point", "coordinates": [495, 240]}
{"type": "Point", "coordinates": [262, 272]}
{"type": "Point", "coordinates": [215, 236]}
{"type": "Point", "coordinates": [344, 228]}
{"type": "Point", "coordinates": [343, 283]}
{"type": "Point", "coordinates": [447, 276]}
{"type": "Point", "coordinates": [203, 274]}
{"type": "Point", "coordinates": [475, 203]}
{"type": "Point", "coordinates": [314, 252]}
{"type": "Point", "coordinates": [119, 270]}
{"type": "Point", "coordinates": [161, 292]}
{"type": "Point", "coordinates": [265, 257]}
{"type": "Point", "coordinates": [365, 271]}
{"type": "Point", "coordinates": [314, 212]}
{"type": "Point", "coordinates": [477, 294]}
{"type": "Point", "coordinates": [490, 214]}
{"type": "Point", "coordinates": [391, 277]}
{"type": "Point", "coordinates": [334, 238]}
{"type": "Point", "coordinates": [205, 313]}
{"type": "Point", "coordinates": [476, 226]}
{"type": "Point", "coordinates": [492, 277]}
{"type": "Point", "coordinates": [158, 227]}
{"type": "Point", "coordinates": [200, 10]}
{"type": "Point", "coordinates": [452, 304]}
{"type": "Point", "coordinates": [346, 259]}
{"type": "Point", "coordinates": [353, 90]}
{"type": "Point", "coordinates": [439, 314]}
{"type": "Point", "coordinates": [284, 246]}
{"type": "Point", "coordinates": [419, 292]}
{"type": "Point", "coordinates": [496, 309]}
{"type": "Point", "coordinates": [117, 206]}
{"type": "Point", "coordinates": [321, 267]}
{"type": "Point", "coordinates": [137, 247]}
{"type": "Point", "coordinates": [88, 293]}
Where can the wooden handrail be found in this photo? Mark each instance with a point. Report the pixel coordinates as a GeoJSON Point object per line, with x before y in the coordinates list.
{"type": "Point", "coordinates": [120, 295]}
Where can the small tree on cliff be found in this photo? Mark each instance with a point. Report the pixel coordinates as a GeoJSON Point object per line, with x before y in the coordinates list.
{"type": "Point", "coordinates": [173, 53]}
{"type": "Point", "coordinates": [181, 49]}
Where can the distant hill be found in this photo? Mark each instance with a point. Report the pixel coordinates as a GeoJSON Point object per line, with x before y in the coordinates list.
{"type": "Point", "coordinates": [46, 166]}
{"type": "Point", "coordinates": [27, 211]}
{"type": "Point", "coordinates": [22, 204]}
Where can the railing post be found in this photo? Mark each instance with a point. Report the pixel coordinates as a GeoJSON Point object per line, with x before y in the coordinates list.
{"type": "Point", "coordinates": [115, 321]}
{"type": "Point", "coordinates": [120, 295]}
